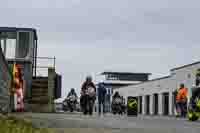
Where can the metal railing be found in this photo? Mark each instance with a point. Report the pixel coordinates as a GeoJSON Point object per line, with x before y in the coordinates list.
{"type": "Point", "coordinates": [42, 64]}
{"type": "Point", "coordinates": [5, 84]}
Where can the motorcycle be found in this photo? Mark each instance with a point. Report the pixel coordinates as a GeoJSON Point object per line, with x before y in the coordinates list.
{"type": "Point", "coordinates": [65, 105]}
{"type": "Point", "coordinates": [71, 101]}
{"type": "Point", "coordinates": [194, 105]}
{"type": "Point", "coordinates": [89, 98]}
{"type": "Point", "coordinates": [123, 108]}
{"type": "Point", "coordinates": [117, 106]}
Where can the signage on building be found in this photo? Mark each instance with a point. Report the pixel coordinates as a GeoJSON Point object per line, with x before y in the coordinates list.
{"type": "Point", "coordinates": [132, 106]}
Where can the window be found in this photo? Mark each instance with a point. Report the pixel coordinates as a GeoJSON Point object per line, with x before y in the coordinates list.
{"type": "Point", "coordinates": [8, 44]}
{"type": "Point", "coordinates": [24, 44]}
{"type": "Point", "coordinates": [2, 45]}
{"type": "Point", "coordinates": [189, 76]}
{"type": "Point", "coordinates": [10, 48]}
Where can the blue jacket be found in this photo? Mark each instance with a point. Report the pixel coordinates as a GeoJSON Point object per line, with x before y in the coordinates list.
{"type": "Point", "coordinates": [101, 92]}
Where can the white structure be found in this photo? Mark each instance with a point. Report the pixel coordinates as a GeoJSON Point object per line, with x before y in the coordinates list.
{"type": "Point", "coordinates": [155, 97]}
{"type": "Point", "coordinates": [115, 80]}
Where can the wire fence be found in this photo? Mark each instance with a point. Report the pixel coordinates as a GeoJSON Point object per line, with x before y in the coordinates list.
{"type": "Point", "coordinates": [5, 83]}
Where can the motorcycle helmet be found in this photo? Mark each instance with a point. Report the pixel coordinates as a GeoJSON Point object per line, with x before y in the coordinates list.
{"type": "Point", "coordinates": [182, 85]}
{"type": "Point", "coordinates": [89, 78]}
{"type": "Point", "coordinates": [72, 90]}
{"type": "Point", "coordinates": [116, 93]}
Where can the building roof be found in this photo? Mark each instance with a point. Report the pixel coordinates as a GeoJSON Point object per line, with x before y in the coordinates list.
{"type": "Point", "coordinates": [121, 82]}
{"type": "Point", "coordinates": [125, 73]}
{"type": "Point", "coordinates": [117, 84]}
{"type": "Point", "coordinates": [165, 77]}
{"type": "Point", "coordinates": [181, 67]}
{"type": "Point", "coordinates": [14, 29]}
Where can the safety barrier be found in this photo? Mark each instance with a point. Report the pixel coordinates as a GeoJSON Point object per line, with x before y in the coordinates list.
{"type": "Point", "coordinates": [5, 84]}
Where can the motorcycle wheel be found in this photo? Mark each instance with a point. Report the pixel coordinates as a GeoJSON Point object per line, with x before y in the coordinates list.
{"type": "Point", "coordinates": [71, 110]}
{"type": "Point", "coordinates": [192, 116]}
{"type": "Point", "coordinates": [90, 107]}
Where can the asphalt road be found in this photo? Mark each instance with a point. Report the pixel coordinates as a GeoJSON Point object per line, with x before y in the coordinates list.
{"type": "Point", "coordinates": [110, 123]}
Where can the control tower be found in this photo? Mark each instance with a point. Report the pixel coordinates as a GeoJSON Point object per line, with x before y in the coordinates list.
{"type": "Point", "coordinates": [19, 45]}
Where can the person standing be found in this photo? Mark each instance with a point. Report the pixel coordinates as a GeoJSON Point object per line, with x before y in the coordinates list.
{"type": "Point", "coordinates": [101, 97]}
{"type": "Point", "coordinates": [18, 89]}
{"type": "Point", "coordinates": [181, 100]}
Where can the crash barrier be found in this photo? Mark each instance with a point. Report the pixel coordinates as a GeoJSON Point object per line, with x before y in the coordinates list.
{"type": "Point", "coordinates": [5, 84]}
{"type": "Point", "coordinates": [132, 106]}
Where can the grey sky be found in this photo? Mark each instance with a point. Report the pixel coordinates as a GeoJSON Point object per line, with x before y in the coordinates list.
{"type": "Point", "coordinates": [120, 35]}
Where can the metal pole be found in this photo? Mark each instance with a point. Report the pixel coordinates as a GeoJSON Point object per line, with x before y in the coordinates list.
{"type": "Point", "coordinates": [5, 48]}
{"type": "Point", "coordinates": [33, 65]}
{"type": "Point", "coordinates": [54, 62]}
{"type": "Point", "coordinates": [36, 59]}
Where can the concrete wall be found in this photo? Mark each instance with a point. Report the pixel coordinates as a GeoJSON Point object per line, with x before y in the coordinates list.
{"type": "Point", "coordinates": [185, 75]}
{"type": "Point", "coordinates": [167, 84]}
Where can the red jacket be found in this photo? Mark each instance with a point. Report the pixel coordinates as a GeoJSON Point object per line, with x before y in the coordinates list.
{"type": "Point", "coordinates": [86, 85]}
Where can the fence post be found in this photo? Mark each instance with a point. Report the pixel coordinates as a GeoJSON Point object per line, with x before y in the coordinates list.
{"type": "Point", "coordinates": [51, 85]}
{"type": "Point", "coordinates": [54, 62]}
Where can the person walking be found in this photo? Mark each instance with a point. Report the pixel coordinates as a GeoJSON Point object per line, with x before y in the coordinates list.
{"type": "Point", "coordinates": [101, 91]}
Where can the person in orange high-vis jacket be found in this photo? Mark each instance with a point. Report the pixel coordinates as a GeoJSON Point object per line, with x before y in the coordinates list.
{"type": "Point", "coordinates": [18, 89]}
{"type": "Point", "coordinates": [181, 100]}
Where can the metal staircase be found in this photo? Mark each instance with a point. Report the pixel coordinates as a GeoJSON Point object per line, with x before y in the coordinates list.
{"type": "Point", "coordinates": [39, 94]}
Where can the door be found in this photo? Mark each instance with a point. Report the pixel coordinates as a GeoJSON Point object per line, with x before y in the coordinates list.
{"type": "Point", "coordinates": [166, 103]}
{"type": "Point", "coordinates": [155, 104]}
{"type": "Point", "coordinates": [147, 104]}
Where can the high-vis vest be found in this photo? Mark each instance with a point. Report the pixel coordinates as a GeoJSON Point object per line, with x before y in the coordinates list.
{"type": "Point", "coordinates": [181, 94]}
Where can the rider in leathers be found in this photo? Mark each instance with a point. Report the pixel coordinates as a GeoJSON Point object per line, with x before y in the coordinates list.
{"type": "Point", "coordinates": [88, 83]}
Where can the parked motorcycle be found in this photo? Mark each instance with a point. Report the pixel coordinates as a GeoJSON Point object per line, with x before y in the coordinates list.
{"type": "Point", "coordinates": [194, 105]}
{"type": "Point", "coordinates": [117, 106]}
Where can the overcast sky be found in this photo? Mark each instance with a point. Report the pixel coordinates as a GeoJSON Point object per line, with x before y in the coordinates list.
{"type": "Point", "coordinates": [90, 36]}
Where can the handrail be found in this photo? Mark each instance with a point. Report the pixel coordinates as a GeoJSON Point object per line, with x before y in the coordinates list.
{"type": "Point", "coordinates": [36, 67]}
{"type": "Point", "coordinates": [44, 57]}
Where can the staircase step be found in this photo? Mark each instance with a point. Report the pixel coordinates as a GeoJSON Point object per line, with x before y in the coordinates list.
{"type": "Point", "coordinates": [40, 82]}
{"type": "Point", "coordinates": [39, 90]}
{"type": "Point", "coordinates": [40, 108]}
{"type": "Point", "coordinates": [39, 94]}
{"type": "Point", "coordinates": [40, 85]}
{"type": "Point", "coordinates": [40, 100]}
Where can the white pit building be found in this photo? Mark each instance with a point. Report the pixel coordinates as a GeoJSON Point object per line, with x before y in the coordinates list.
{"type": "Point", "coordinates": [156, 97]}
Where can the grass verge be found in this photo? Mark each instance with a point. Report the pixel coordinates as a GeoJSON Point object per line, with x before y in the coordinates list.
{"type": "Point", "coordinates": [11, 124]}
